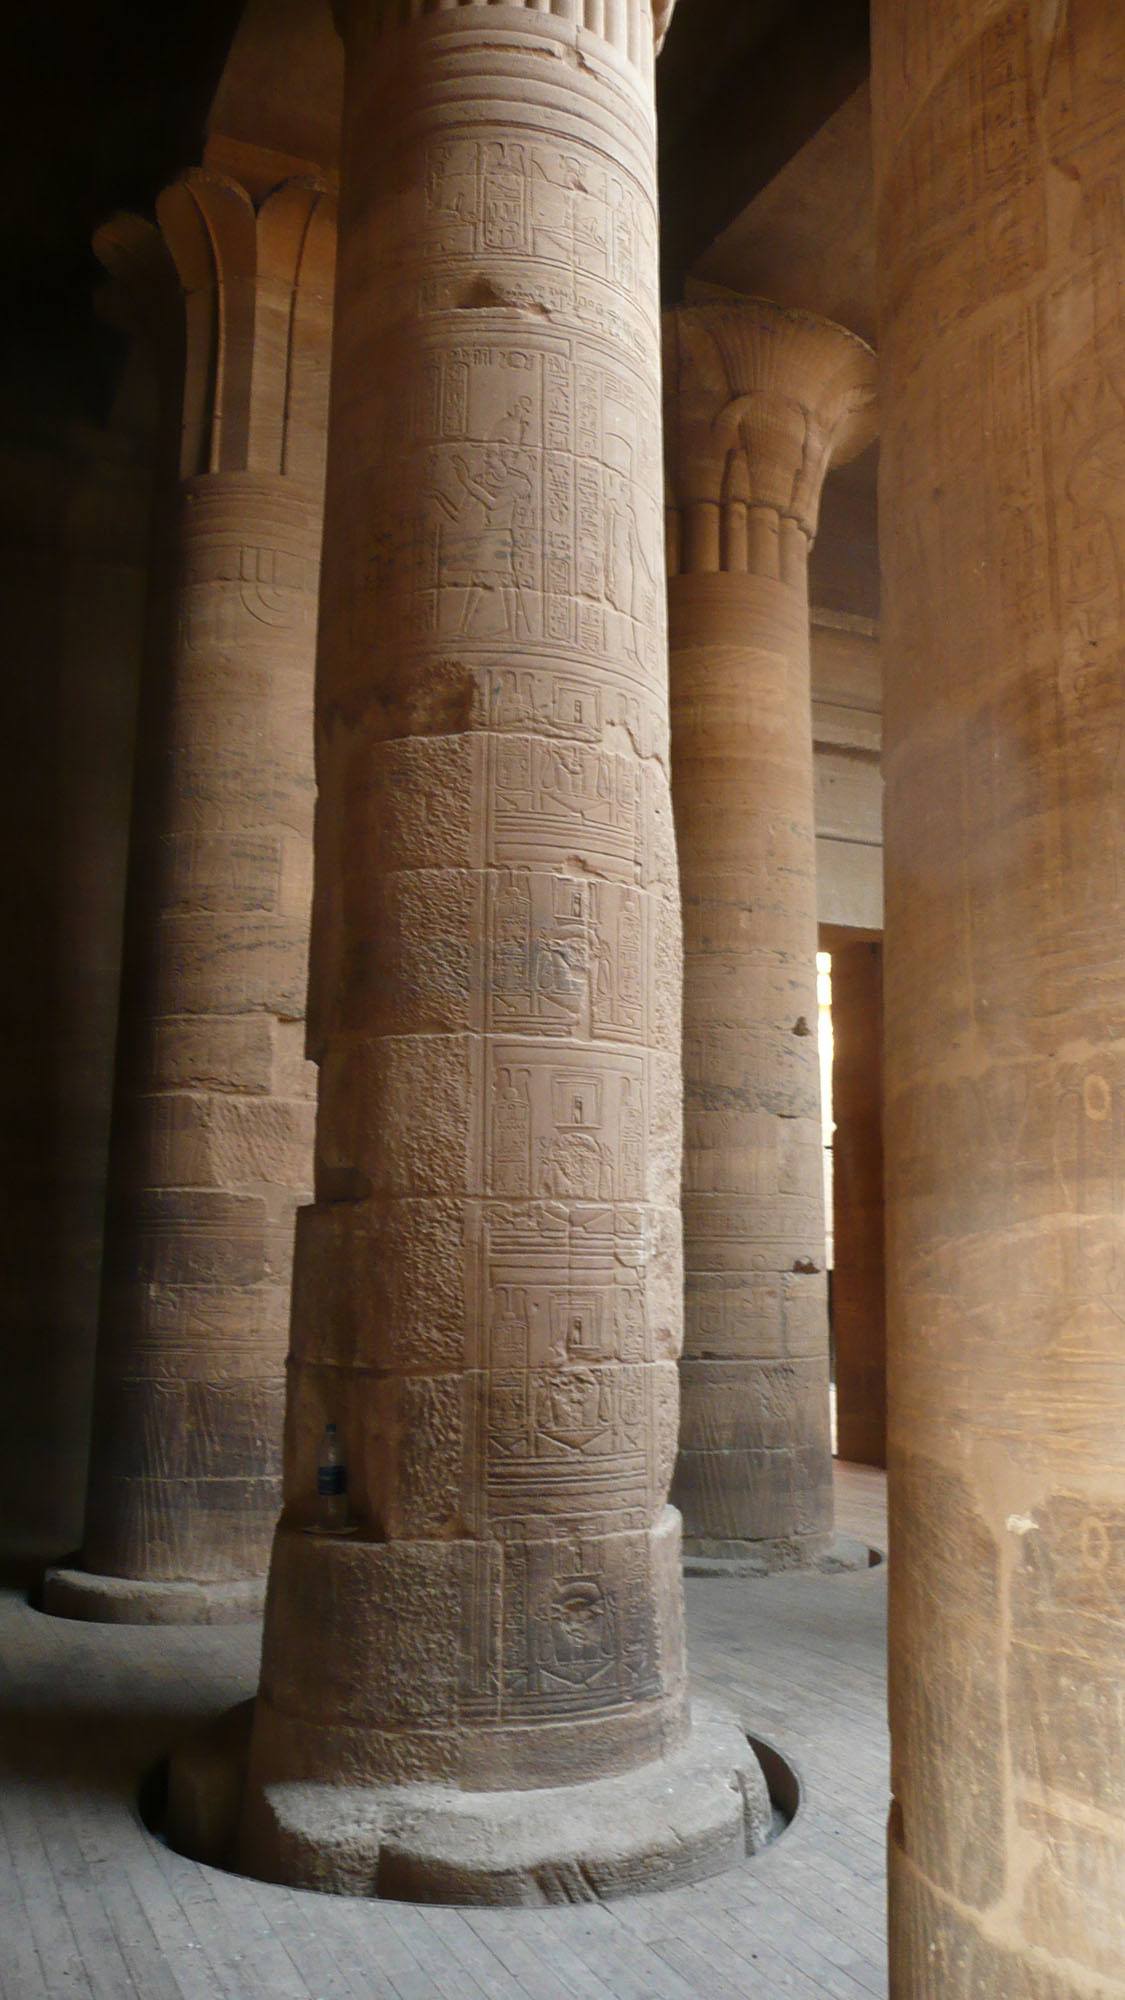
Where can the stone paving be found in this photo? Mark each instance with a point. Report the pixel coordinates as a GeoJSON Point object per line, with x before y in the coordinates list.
{"type": "Point", "coordinates": [94, 1908]}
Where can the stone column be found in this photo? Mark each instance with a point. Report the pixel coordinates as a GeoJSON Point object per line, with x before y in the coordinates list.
{"type": "Point", "coordinates": [759, 399]}
{"type": "Point", "coordinates": [213, 1117]}
{"type": "Point", "coordinates": [488, 1287]}
{"type": "Point", "coordinates": [1000, 153]}
{"type": "Point", "coordinates": [859, 1270]}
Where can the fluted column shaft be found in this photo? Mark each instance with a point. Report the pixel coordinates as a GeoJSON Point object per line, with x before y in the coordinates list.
{"type": "Point", "coordinates": [487, 1289]}
{"type": "Point", "coordinates": [213, 1113]}
{"type": "Point", "coordinates": [757, 401]}
{"type": "Point", "coordinates": [1000, 169]}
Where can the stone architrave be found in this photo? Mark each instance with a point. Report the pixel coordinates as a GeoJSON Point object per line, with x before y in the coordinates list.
{"type": "Point", "coordinates": [859, 1268]}
{"type": "Point", "coordinates": [487, 1292]}
{"type": "Point", "coordinates": [213, 1115]}
{"type": "Point", "coordinates": [759, 399]}
{"type": "Point", "coordinates": [1000, 151]}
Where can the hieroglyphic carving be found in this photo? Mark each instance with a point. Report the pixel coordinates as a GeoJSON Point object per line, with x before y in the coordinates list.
{"type": "Point", "coordinates": [564, 1128]}
{"type": "Point", "coordinates": [619, 966]}
{"type": "Point", "coordinates": [581, 707]}
{"type": "Point", "coordinates": [533, 207]}
{"type": "Point", "coordinates": [1089, 438]}
{"type": "Point", "coordinates": [539, 960]}
{"type": "Point", "coordinates": [550, 800]}
{"type": "Point", "coordinates": [1002, 532]}
{"type": "Point", "coordinates": [567, 1439]}
{"type": "Point", "coordinates": [497, 531]}
{"type": "Point", "coordinates": [538, 526]}
{"type": "Point", "coordinates": [273, 586]}
{"type": "Point", "coordinates": [580, 1636]}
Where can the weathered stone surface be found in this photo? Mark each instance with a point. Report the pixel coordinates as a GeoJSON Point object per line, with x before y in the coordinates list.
{"type": "Point", "coordinates": [757, 401]}
{"type": "Point", "coordinates": [1000, 164]}
{"type": "Point", "coordinates": [765, 1558]}
{"type": "Point", "coordinates": [213, 1118]}
{"type": "Point", "coordinates": [699, 1811]}
{"type": "Point", "coordinates": [488, 1290]}
{"type": "Point", "coordinates": [131, 1600]}
{"type": "Point", "coordinates": [859, 1271]}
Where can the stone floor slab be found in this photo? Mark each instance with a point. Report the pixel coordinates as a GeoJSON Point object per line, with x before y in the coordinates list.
{"type": "Point", "coordinates": [94, 1905]}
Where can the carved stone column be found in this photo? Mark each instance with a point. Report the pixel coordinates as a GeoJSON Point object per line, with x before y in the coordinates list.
{"type": "Point", "coordinates": [758, 400]}
{"type": "Point", "coordinates": [488, 1287]}
{"type": "Point", "coordinates": [213, 1117]}
{"type": "Point", "coordinates": [1000, 153]}
{"type": "Point", "coordinates": [859, 1271]}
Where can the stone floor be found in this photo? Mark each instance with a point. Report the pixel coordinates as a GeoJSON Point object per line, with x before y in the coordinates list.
{"type": "Point", "coordinates": [93, 1908]}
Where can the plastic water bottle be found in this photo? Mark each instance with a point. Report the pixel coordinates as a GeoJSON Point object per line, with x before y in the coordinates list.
{"type": "Point", "coordinates": [331, 1484]}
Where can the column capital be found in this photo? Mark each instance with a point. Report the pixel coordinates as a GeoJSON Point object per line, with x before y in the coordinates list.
{"type": "Point", "coordinates": [625, 24]}
{"type": "Point", "coordinates": [759, 400]}
{"type": "Point", "coordinates": [235, 299]}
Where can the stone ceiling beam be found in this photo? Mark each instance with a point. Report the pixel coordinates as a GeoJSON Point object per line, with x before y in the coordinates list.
{"type": "Point", "coordinates": [779, 84]}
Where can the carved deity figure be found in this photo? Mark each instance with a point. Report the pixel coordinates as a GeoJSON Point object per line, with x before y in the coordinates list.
{"type": "Point", "coordinates": [576, 1632]}
{"type": "Point", "coordinates": [628, 574]}
{"type": "Point", "coordinates": [486, 500]}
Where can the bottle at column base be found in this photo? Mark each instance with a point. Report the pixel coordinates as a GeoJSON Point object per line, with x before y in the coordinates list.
{"type": "Point", "coordinates": [331, 1486]}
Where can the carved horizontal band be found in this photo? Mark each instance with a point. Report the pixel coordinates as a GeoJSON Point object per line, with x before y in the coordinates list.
{"type": "Point", "coordinates": [635, 28]}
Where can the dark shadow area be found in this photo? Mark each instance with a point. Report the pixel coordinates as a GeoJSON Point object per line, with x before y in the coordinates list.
{"type": "Point", "coordinates": [104, 106]}
{"type": "Point", "coordinates": [783, 1783]}
{"type": "Point", "coordinates": [740, 88]}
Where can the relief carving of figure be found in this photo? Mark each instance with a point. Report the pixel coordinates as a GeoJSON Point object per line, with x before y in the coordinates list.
{"type": "Point", "coordinates": [629, 581]}
{"type": "Point", "coordinates": [629, 1323]}
{"type": "Point", "coordinates": [576, 1632]}
{"type": "Point", "coordinates": [452, 197]}
{"type": "Point", "coordinates": [604, 972]}
{"type": "Point", "coordinates": [486, 502]}
{"type": "Point", "coordinates": [574, 1410]}
{"type": "Point", "coordinates": [578, 1165]}
{"type": "Point", "coordinates": [560, 970]}
{"type": "Point", "coordinates": [514, 427]}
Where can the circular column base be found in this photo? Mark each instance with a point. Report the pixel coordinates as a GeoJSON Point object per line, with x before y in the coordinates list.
{"type": "Point", "coordinates": [671, 1822]}
{"type": "Point", "coordinates": [130, 1600]}
{"type": "Point", "coordinates": [718, 1558]}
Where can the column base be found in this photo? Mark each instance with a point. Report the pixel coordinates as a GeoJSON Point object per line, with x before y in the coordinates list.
{"type": "Point", "coordinates": [674, 1821]}
{"type": "Point", "coordinates": [704, 1556]}
{"type": "Point", "coordinates": [130, 1600]}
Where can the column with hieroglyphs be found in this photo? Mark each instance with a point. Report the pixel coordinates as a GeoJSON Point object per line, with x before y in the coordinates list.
{"type": "Point", "coordinates": [758, 401]}
{"type": "Point", "coordinates": [1000, 183]}
{"type": "Point", "coordinates": [480, 1692]}
{"type": "Point", "coordinates": [213, 1117]}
